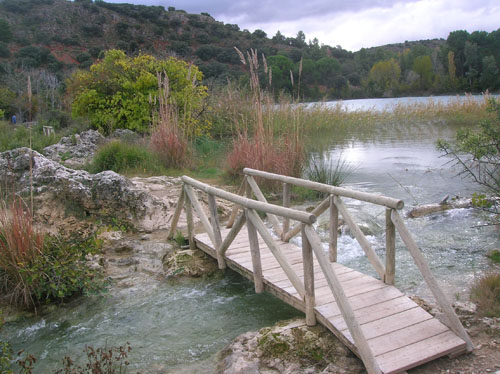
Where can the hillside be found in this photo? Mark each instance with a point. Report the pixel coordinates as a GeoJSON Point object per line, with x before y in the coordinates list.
{"type": "Point", "coordinates": [59, 36]}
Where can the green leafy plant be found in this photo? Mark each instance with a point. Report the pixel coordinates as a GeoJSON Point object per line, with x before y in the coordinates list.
{"type": "Point", "coordinates": [36, 268]}
{"type": "Point", "coordinates": [477, 151]}
{"type": "Point", "coordinates": [179, 238]}
{"type": "Point", "coordinates": [119, 91]}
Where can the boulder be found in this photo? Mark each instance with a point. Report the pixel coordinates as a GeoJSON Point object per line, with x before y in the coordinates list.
{"type": "Point", "coordinates": [75, 150]}
{"type": "Point", "coordinates": [63, 195]}
{"type": "Point", "coordinates": [290, 347]}
{"type": "Point", "coordinates": [189, 263]}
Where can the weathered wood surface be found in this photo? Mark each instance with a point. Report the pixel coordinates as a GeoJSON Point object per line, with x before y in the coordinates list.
{"type": "Point", "coordinates": [426, 209]}
{"type": "Point", "coordinates": [399, 333]}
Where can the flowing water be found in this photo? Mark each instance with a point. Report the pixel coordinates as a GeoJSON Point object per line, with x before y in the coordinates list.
{"type": "Point", "coordinates": [179, 327]}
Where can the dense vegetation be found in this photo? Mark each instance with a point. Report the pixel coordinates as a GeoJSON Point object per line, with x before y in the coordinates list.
{"type": "Point", "coordinates": [50, 38]}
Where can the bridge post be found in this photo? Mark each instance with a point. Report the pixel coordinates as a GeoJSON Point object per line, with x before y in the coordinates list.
{"type": "Point", "coordinates": [255, 252]}
{"type": "Point", "coordinates": [214, 220]}
{"type": "Point", "coordinates": [390, 248]}
{"type": "Point", "coordinates": [189, 219]}
{"type": "Point", "coordinates": [307, 257]}
{"type": "Point", "coordinates": [286, 204]}
{"type": "Point", "coordinates": [334, 227]}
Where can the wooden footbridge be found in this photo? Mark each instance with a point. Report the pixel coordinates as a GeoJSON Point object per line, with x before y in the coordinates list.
{"type": "Point", "coordinates": [387, 330]}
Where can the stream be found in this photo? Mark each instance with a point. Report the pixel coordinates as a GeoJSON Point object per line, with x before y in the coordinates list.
{"type": "Point", "coordinates": [178, 327]}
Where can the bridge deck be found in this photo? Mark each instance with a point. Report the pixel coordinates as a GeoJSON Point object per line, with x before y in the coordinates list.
{"type": "Point", "coordinates": [401, 334]}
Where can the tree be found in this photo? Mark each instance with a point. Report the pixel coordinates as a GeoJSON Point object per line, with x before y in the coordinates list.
{"type": "Point", "coordinates": [477, 152]}
{"type": "Point", "coordinates": [385, 75]}
{"type": "Point", "coordinates": [423, 67]}
{"type": "Point", "coordinates": [281, 67]}
{"type": "Point", "coordinates": [328, 68]}
{"type": "Point", "coordinates": [278, 38]}
{"type": "Point", "coordinates": [452, 70]}
{"type": "Point", "coordinates": [489, 76]}
{"type": "Point", "coordinates": [5, 32]}
{"type": "Point", "coordinates": [456, 41]}
{"type": "Point", "coordinates": [121, 91]}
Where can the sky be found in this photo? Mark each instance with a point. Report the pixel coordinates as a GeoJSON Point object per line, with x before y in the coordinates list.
{"type": "Point", "coordinates": [352, 24]}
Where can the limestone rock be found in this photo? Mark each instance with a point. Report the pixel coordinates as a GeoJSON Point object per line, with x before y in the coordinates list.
{"type": "Point", "coordinates": [61, 192]}
{"type": "Point", "coordinates": [290, 348]}
{"type": "Point", "coordinates": [189, 263]}
{"type": "Point", "coordinates": [76, 150]}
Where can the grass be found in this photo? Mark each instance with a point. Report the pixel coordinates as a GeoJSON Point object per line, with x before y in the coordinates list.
{"type": "Point", "coordinates": [485, 292]}
{"type": "Point", "coordinates": [260, 141]}
{"type": "Point", "coordinates": [36, 268]}
{"type": "Point", "coordinates": [494, 256]}
{"type": "Point", "coordinates": [125, 158]}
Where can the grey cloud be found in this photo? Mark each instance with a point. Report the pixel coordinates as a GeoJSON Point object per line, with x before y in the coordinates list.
{"type": "Point", "coordinates": [267, 10]}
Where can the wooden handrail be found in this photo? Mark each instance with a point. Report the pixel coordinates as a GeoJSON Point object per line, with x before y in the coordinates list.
{"type": "Point", "coordinates": [251, 204]}
{"type": "Point", "coordinates": [340, 191]}
{"type": "Point", "coordinates": [357, 334]}
{"type": "Point", "coordinates": [451, 319]}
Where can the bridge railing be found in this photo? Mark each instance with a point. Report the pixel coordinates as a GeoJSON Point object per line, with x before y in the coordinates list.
{"type": "Point", "coordinates": [394, 223]}
{"type": "Point", "coordinates": [311, 242]}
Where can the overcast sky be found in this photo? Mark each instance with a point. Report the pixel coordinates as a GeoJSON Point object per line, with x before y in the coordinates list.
{"type": "Point", "coordinates": [352, 24]}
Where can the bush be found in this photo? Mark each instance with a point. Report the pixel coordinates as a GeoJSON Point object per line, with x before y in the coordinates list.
{"type": "Point", "coordinates": [125, 158]}
{"type": "Point", "coordinates": [323, 169]}
{"type": "Point", "coordinates": [36, 268]}
{"type": "Point", "coordinates": [485, 292]}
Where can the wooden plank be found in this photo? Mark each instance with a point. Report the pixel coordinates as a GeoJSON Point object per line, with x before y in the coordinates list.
{"type": "Point", "coordinates": [307, 256]}
{"type": "Point", "coordinates": [354, 327]}
{"type": "Point", "coordinates": [390, 248]}
{"type": "Point", "coordinates": [451, 319]}
{"type": "Point", "coordinates": [177, 214]}
{"type": "Point", "coordinates": [322, 288]}
{"type": "Point", "coordinates": [421, 352]}
{"type": "Point", "coordinates": [360, 237]}
{"type": "Point", "coordinates": [410, 335]}
{"type": "Point", "coordinates": [255, 252]}
{"type": "Point", "coordinates": [260, 196]}
{"type": "Point", "coordinates": [362, 300]}
{"type": "Point", "coordinates": [334, 230]}
{"type": "Point", "coordinates": [394, 322]}
{"type": "Point", "coordinates": [376, 311]}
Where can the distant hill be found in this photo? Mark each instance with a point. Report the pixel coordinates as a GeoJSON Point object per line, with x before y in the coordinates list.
{"type": "Point", "coordinates": [61, 35]}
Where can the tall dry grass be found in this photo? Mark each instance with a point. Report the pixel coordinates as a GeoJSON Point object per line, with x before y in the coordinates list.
{"type": "Point", "coordinates": [169, 140]}
{"type": "Point", "coordinates": [485, 292]}
{"type": "Point", "coordinates": [261, 140]}
{"type": "Point", "coordinates": [20, 244]}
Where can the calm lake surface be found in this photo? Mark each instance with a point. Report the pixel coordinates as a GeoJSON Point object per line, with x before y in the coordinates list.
{"type": "Point", "coordinates": [180, 327]}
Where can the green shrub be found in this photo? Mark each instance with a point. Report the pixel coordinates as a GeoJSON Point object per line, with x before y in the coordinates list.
{"type": "Point", "coordinates": [126, 158]}
{"type": "Point", "coordinates": [323, 169]}
{"type": "Point", "coordinates": [36, 268]}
